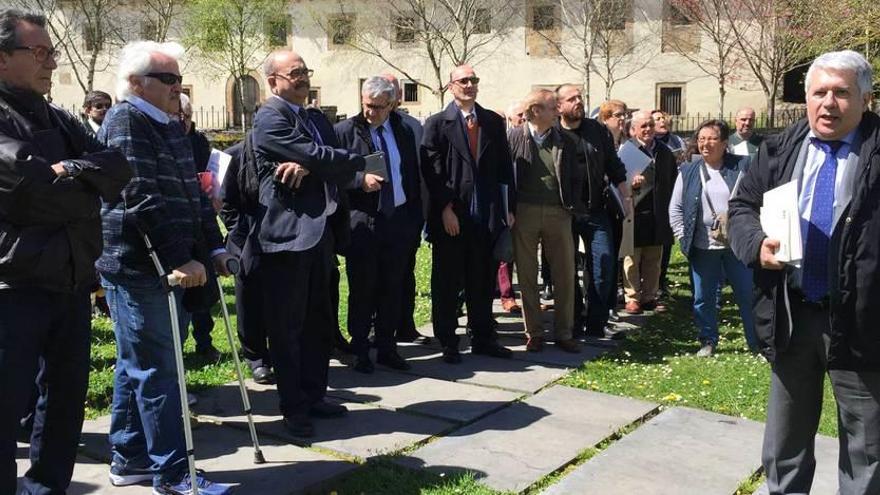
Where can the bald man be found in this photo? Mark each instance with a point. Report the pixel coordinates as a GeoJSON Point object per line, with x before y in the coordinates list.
{"type": "Point", "coordinates": [744, 141]}
{"type": "Point", "coordinates": [302, 170]}
{"type": "Point", "coordinates": [465, 161]}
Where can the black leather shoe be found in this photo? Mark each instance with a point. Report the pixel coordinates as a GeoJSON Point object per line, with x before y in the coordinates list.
{"type": "Point", "coordinates": [263, 375]}
{"type": "Point", "coordinates": [451, 355]}
{"type": "Point", "coordinates": [208, 352]}
{"type": "Point", "coordinates": [393, 361]}
{"type": "Point", "coordinates": [493, 349]}
{"type": "Point", "coordinates": [325, 409]}
{"type": "Point", "coordinates": [364, 365]}
{"type": "Point", "coordinates": [299, 426]}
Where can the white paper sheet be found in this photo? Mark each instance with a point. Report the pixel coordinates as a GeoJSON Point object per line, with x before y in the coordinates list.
{"type": "Point", "coordinates": [741, 148]}
{"type": "Point", "coordinates": [780, 220]}
{"type": "Point", "coordinates": [218, 164]}
{"type": "Point", "coordinates": [633, 159]}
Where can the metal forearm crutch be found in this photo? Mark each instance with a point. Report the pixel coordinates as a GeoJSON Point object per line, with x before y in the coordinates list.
{"type": "Point", "coordinates": [168, 282]}
{"type": "Point", "coordinates": [233, 266]}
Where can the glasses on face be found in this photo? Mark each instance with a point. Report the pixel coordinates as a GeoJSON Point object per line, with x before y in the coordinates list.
{"type": "Point", "coordinates": [619, 115]}
{"type": "Point", "coordinates": [706, 140]}
{"type": "Point", "coordinates": [465, 80]}
{"type": "Point", "coordinates": [166, 78]}
{"type": "Point", "coordinates": [102, 106]}
{"type": "Point", "coordinates": [297, 73]}
{"type": "Point", "coordinates": [41, 53]}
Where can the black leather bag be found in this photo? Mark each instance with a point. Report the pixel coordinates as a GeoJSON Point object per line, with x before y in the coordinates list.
{"type": "Point", "coordinates": [502, 251]}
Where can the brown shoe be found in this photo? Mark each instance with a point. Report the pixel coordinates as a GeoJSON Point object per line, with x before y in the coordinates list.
{"type": "Point", "coordinates": [545, 307]}
{"type": "Point", "coordinates": [535, 344]}
{"type": "Point", "coordinates": [633, 308]}
{"type": "Point", "coordinates": [569, 345]}
{"type": "Point", "coordinates": [510, 306]}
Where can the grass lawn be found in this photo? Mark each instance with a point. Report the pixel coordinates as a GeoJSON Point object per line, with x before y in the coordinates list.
{"type": "Point", "coordinates": [656, 363]}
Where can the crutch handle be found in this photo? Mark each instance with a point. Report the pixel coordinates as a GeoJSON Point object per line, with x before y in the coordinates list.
{"type": "Point", "coordinates": [233, 266]}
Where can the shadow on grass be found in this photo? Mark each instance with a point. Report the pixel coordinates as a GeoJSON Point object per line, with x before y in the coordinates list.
{"type": "Point", "coordinates": [384, 477]}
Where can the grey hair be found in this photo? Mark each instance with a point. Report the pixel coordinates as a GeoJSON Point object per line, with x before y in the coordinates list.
{"type": "Point", "coordinates": [844, 60]}
{"type": "Point", "coordinates": [9, 19]}
{"type": "Point", "coordinates": [642, 115]}
{"type": "Point", "coordinates": [377, 87]}
{"type": "Point", "coordinates": [185, 103]}
{"type": "Point", "coordinates": [135, 60]}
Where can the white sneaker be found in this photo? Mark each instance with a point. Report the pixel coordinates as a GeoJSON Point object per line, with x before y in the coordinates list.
{"type": "Point", "coordinates": [706, 351]}
{"type": "Point", "coordinates": [184, 487]}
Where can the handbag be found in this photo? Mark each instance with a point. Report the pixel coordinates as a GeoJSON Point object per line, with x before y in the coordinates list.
{"type": "Point", "coordinates": [502, 251]}
{"type": "Point", "coordinates": [718, 232]}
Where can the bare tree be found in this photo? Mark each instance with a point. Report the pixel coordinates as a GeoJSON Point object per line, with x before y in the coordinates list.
{"type": "Point", "coordinates": [776, 36]}
{"type": "Point", "coordinates": [446, 33]}
{"type": "Point", "coordinates": [615, 41]}
{"type": "Point", "coordinates": [702, 32]}
{"type": "Point", "coordinates": [87, 32]}
{"type": "Point", "coordinates": [158, 18]}
{"type": "Point", "coordinates": [231, 36]}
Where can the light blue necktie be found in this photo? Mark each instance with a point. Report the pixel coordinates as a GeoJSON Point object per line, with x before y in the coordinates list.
{"type": "Point", "coordinates": [814, 283]}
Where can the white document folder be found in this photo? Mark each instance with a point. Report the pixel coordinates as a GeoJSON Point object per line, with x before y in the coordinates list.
{"type": "Point", "coordinates": [781, 220]}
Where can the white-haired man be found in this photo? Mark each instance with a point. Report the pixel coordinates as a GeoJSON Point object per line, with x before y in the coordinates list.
{"type": "Point", "coordinates": [163, 202]}
{"type": "Point", "coordinates": [821, 316]}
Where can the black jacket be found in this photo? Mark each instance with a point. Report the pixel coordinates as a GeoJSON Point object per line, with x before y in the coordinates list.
{"type": "Point", "coordinates": [854, 251]}
{"type": "Point", "coordinates": [354, 135]}
{"type": "Point", "coordinates": [596, 149]}
{"type": "Point", "coordinates": [570, 172]}
{"type": "Point", "coordinates": [452, 175]}
{"type": "Point", "coordinates": [50, 230]}
{"type": "Point", "coordinates": [651, 214]}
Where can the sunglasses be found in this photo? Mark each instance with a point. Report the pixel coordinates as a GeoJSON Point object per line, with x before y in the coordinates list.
{"type": "Point", "coordinates": [41, 53]}
{"type": "Point", "coordinates": [297, 73]}
{"type": "Point", "coordinates": [166, 77]}
{"type": "Point", "coordinates": [464, 80]}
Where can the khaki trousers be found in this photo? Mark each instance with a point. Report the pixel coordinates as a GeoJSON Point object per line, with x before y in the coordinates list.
{"type": "Point", "coordinates": [641, 274]}
{"type": "Point", "coordinates": [551, 226]}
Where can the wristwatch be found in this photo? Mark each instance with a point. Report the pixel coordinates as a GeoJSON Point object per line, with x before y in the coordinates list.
{"type": "Point", "coordinates": [71, 168]}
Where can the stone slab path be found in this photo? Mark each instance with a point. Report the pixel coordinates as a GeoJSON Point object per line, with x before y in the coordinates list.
{"type": "Point", "coordinates": [505, 420]}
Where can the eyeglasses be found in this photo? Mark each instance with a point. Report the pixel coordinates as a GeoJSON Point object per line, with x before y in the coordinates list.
{"type": "Point", "coordinates": [297, 73]}
{"type": "Point", "coordinates": [464, 80]}
{"type": "Point", "coordinates": [619, 115]}
{"type": "Point", "coordinates": [101, 106]}
{"type": "Point", "coordinates": [41, 53]}
{"type": "Point", "coordinates": [166, 77]}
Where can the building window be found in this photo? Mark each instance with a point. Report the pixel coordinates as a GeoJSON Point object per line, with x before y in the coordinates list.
{"type": "Point", "coordinates": [670, 99]}
{"type": "Point", "coordinates": [543, 18]}
{"type": "Point", "coordinates": [93, 38]}
{"type": "Point", "coordinates": [675, 16]}
{"type": "Point", "coordinates": [315, 97]}
{"type": "Point", "coordinates": [482, 21]}
{"type": "Point", "coordinates": [410, 92]}
{"type": "Point", "coordinates": [277, 31]}
{"type": "Point", "coordinates": [404, 29]}
{"type": "Point", "coordinates": [618, 17]}
{"type": "Point", "coordinates": [341, 29]}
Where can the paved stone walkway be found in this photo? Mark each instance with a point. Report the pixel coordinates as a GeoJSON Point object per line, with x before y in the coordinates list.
{"type": "Point", "coordinates": [503, 419]}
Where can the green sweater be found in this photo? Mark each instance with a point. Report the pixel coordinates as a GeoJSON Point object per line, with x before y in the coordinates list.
{"type": "Point", "coordinates": [538, 182]}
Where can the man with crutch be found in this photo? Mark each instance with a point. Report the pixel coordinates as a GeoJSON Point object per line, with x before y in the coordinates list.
{"type": "Point", "coordinates": [163, 204]}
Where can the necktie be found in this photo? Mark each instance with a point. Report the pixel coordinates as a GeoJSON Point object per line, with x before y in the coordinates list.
{"type": "Point", "coordinates": [815, 270]}
{"type": "Point", "coordinates": [386, 194]}
{"type": "Point", "coordinates": [311, 126]}
{"type": "Point", "coordinates": [473, 134]}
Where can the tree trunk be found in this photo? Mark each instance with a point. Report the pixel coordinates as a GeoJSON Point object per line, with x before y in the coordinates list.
{"type": "Point", "coordinates": [587, 107]}
{"type": "Point", "coordinates": [722, 92]}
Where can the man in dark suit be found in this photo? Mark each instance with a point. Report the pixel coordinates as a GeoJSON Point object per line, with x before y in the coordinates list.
{"type": "Point", "coordinates": [465, 161]}
{"type": "Point", "coordinates": [821, 316]}
{"type": "Point", "coordinates": [295, 237]}
{"type": "Point", "coordinates": [385, 223]}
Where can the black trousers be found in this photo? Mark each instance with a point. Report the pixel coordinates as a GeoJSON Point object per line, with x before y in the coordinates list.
{"type": "Point", "coordinates": [39, 324]}
{"type": "Point", "coordinates": [407, 325]}
{"type": "Point", "coordinates": [795, 407]}
{"type": "Point", "coordinates": [249, 314]}
{"type": "Point", "coordinates": [463, 262]}
{"type": "Point", "coordinates": [202, 324]}
{"type": "Point", "coordinates": [299, 322]}
{"type": "Point", "coordinates": [376, 263]}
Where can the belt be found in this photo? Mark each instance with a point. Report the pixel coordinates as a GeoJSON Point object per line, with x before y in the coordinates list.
{"type": "Point", "coordinates": [822, 304]}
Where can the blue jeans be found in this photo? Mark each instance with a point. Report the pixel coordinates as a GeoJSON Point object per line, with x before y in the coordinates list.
{"type": "Point", "coordinates": [600, 276]}
{"type": "Point", "coordinates": [146, 427]}
{"type": "Point", "coordinates": [708, 268]}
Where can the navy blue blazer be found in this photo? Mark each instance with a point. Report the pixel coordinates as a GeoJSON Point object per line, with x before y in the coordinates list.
{"type": "Point", "coordinates": [452, 175]}
{"type": "Point", "coordinates": [295, 220]}
{"type": "Point", "coordinates": [354, 135]}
